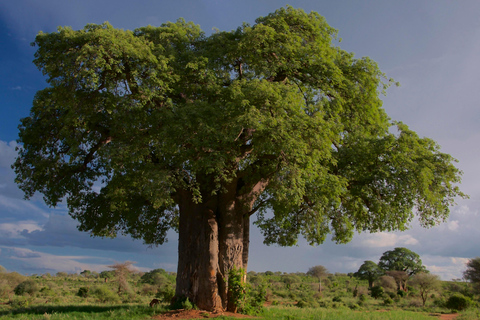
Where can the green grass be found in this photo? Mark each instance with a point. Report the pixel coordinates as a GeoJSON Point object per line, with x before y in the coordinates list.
{"type": "Point", "coordinates": [137, 311]}
{"type": "Point", "coordinates": [293, 313]}
{"type": "Point", "coordinates": [54, 312]}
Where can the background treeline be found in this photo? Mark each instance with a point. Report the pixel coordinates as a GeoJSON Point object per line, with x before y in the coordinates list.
{"type": "Point", "coordinates": [316, 288]}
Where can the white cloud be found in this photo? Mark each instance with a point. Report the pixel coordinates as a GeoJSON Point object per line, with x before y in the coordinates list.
{"type": "Point", "coordinates": [45, 262]}
{"type": "Point", "coordinates": [384, 239]}
{"type": "Point", "coordinates": [14, 229]}
{"type": "Point", "coordinates": [7, 153]}
{"type": "Point", "coordinates": [447, 268]}
{"type": "Point", "coordinates": [453, 225]}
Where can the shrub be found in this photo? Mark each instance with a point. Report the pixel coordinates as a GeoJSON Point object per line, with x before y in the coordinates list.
{"type": "Point", "coordinates": [103, 294]}
{"type": "Point", "coordinates": [377, 292]}
{"type": "Point", "coordinates": [182, 303]}
{"type": "Point", "coordinates": [458, 302]}
{"type": "Point", "coordinates": [19, 303]}
{"type": "Point", "coordinates": [401, 293]}
{"type": "Point", "coordinates": [83, 292]}
{"type": "Point", "coordinates": [439, 302]}
{"type": "Point", "coordinates": [26, 287]}
{"type": "Point", "coordinates": [387, 301]}
{"type": "Point", "coordinates": [5, 289]}
{"type": "Point", "coordinates": [47, 292]}
{"type": "Point", "coordinates": [354, 306]}
{"type": "Point", "coordinates": [337, 299]}
{"type": "Point", "coordinates": [165, 294]}
{"type": "Point", "coordinates": [392, 295]}
{"type": "Point", "coordinates": [303, 304]}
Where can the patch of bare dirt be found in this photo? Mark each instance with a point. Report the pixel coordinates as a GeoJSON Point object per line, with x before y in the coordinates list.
{"type": "Point", "coordinates": [198, 314]}
{"type": "Point", "coordinates": [449, 316]}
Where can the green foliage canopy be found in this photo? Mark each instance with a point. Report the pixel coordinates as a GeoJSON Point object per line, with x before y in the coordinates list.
{"type": "Point", "coordinates": [401, 259]}
{"type": "Point", "coordinates": [131, 118]}
{"type": "Point", "coordinates": [370, 271]}
{"type": "Point", "coordinates": [472, 273]}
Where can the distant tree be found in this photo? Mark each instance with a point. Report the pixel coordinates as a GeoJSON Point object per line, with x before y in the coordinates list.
{"type": "Point", "coordinates": [401, 259]}
{"type": "Point", "coordinates": [400, 277]}
{"type": "Point", "coordinates": [369, 271]}
{"type": "Point", "coordinates": [86, 273]}
{"type": "Point", "coordinates": [61, 274]}
{"type": "Point", "coordinates": [290, 279]}
{"type": "Point", "coordinates": [425, 283]}
{"type": "Point", "coordinates": [472, 273]}
{"type": "Point", "coordinates": [158, 277]}
{"type": "Point", "coordinates": [167, 127]}
{"type": "Point", "coordinates": [122, 270]}
{"type": "Point", "coordinates": [401, 263]}
{"type": "Point", "coordinates": [107, 274]}
{"type": "Point", "coordinates": [318, 272]}
{"type": "Point", "coordinates": [388, 282]}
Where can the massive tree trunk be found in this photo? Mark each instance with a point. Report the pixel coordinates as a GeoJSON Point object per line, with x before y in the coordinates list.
{"type": "Point", "coordinates": [212, 238]}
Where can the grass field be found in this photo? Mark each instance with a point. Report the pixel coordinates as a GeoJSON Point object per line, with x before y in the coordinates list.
{"type": "Point", "coordinates": [140, 311]}
{"type": "Point", "coordinates": [289, 296]}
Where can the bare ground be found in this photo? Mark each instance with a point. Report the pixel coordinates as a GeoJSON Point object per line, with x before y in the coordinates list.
{"type": "Point", "coordinates": [197, 314]}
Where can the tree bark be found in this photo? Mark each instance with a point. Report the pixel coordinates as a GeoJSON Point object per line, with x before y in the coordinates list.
{"type": "Point", "coordinates": [213, 239]}
{"type": "Point", "coordinates": [197, 271]}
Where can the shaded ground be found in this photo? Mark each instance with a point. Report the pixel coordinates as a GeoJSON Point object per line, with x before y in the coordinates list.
{"type": "Point", "coordinates": [197, 314]}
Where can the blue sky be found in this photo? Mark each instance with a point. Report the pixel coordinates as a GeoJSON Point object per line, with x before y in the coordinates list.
{"type": "Point", "coordinates": [430, 47]}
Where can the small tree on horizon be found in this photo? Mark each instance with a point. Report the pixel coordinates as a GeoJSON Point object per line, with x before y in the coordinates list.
{"type": "Point", "coordinates": [319, 272]}
{"type": "Point", "coordinates": [122, 271]}
{"type": "Point", "coordinates": [472, 273]}
{"type": "Point", "coordinates": [369, 271]}
{"type": "Point", "coordinates": [401, 263]}
{"type": "Point", "coordinates": [425, 283]}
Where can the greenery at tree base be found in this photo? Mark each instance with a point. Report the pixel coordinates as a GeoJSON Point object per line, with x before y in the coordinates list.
{"type": "Point", "coordinates": [135, 128]}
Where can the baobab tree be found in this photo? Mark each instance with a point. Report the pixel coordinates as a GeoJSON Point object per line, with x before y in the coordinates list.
{"type": "Point", "coordinates": [165, 127]}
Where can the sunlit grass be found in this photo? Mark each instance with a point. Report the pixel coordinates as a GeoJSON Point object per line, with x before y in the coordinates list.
{"type": "Point", "coordinates": [53, 312]}
{"type": "Point", "coordinates": [294, 313]}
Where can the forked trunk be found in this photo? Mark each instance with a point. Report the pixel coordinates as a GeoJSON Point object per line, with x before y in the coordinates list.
{"type": "Point", "coordinates": [213, 238]}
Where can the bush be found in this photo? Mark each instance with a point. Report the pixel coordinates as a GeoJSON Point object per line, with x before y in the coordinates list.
{"type": "Point", "coordinates": [458, 302]}
{"type": "Point", "coordinates": [182, 303]}
{"type": "Point", "coordinates": [401, 293]}
{"type": "Point", "coordinates": [377, 292]}
{"type": "Point", "coordinates": [47, 292]}
{"type": "Point", "coordinates": [103, 294]}
{"type": "Point", "coordinates": [387, 301]}
{"type": "Point", "coordinates": [165, 294]}
{"type": "Point", "coordinates": [83, 292]}
{"type": "Point", "coordinates": [26, 287]}
{"type": "Point", "coordinates": [354, 306]}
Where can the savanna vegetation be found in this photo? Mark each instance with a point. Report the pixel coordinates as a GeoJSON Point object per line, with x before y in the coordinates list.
{"type": "Point", "coordinates": [123, 293]}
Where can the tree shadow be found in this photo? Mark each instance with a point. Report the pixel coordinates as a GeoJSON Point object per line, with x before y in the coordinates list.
{"type": "Point", "coordinates": [65, 309]}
